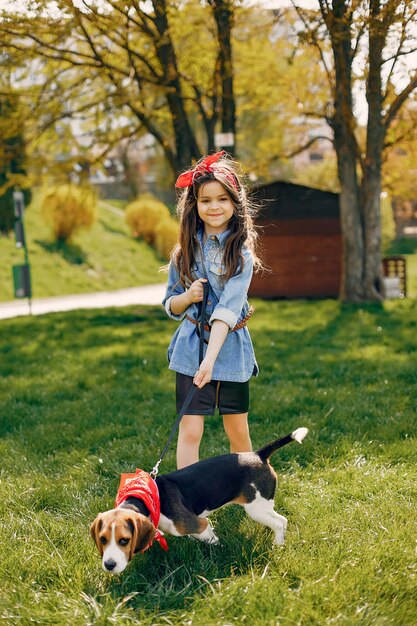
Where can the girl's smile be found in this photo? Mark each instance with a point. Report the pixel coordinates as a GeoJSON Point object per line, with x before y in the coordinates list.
{"type": "Point", "coordinates": [215, 207]}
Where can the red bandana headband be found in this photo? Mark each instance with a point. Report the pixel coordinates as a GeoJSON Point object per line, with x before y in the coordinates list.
{"type": "Point", "coordinates": [203, 167]}
{"type": "Point", "coordinates": [141, 485]}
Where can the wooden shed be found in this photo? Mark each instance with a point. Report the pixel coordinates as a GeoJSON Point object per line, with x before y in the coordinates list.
{"type": "Point", "coordinates": [301, 241]}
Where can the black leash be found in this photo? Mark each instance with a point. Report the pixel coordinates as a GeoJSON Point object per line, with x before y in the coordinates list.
{"type": "Point", "coordinates": [201, 316]}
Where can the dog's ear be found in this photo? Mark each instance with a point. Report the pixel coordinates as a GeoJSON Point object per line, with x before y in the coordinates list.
{"type": "Point", "coordinates": [143, 533]}
{"type": "Point", "coordinates": [95, 529]}
{"type": "Point", "coordinates": [147, 533]}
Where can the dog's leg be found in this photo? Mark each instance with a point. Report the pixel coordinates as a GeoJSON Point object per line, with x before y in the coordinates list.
{"type": "Point", "coordinates": [188, 523]}
{"type": "Point", "coordinates": [262, 511]}
{"type": "Point", "coordinates": [207, 535]}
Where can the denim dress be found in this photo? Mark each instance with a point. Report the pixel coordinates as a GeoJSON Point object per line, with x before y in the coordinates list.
{"type": "Point", "coordinates": [227, 301]}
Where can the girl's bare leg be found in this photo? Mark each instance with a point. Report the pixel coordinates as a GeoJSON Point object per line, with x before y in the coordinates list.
{"type": "Point", "coordinates": [189, 438]}
{"type": "Point", "coordinates": [237, 430]}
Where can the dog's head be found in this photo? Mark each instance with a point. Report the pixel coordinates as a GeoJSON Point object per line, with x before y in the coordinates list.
{"type": "Point", "coordinates": [119, 534]}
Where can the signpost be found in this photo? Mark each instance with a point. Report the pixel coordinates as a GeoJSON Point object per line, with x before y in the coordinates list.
{"type": "Point", "coordinates": [21, 273]}
{"type": "Point", "coordinates": [224, 140]}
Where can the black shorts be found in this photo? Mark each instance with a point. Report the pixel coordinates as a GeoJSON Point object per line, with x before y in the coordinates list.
{"type": "Point", "coordinates": [228, 397]}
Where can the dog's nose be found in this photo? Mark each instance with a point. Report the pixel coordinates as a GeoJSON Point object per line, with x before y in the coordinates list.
{"type": "Point", "coordinates": [110, 564]}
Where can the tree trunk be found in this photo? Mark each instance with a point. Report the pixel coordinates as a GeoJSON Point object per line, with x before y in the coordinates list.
{"type": "Point", "coordinates": [351, 222]}
{"type": "Point", "coordinates": [223, 14]}
{"type": "Point", "coordinates": [186, 147]}
{"type": "Point", "coordinates": [343, 123]}
{"type": "Point", "coordinates": [371, 172]}
{"type": "Point", "coordinates": [373, 281]}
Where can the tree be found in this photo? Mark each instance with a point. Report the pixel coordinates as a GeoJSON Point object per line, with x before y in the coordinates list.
{"type": "Point", "coordinates": [272, 93]}
{"type": "Point", "coordinates": [362, 44]}
{"type": "Point", "coordinates": [119, 58]}
{"type": "Point", "coordinates": [102, 69]}
{"type": "Point", "coordinates": [223, 12]}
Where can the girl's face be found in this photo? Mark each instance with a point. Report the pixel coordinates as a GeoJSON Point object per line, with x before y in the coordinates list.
{"type": "Point", "coordinates": [215, 207]}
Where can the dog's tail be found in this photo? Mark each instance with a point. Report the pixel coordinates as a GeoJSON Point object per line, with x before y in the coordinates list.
{"type": "Point", "coordinates": [270, 448]}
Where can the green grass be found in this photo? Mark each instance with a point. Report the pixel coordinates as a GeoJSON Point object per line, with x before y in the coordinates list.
{"type": "Point", "coordinates": [87, 395]}
{"type": "Point", "coordinates": [120, 204]}
{"type": "Point", "coordinates": [103, 258]}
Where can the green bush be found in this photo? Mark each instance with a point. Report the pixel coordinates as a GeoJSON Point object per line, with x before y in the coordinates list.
{"type": "Point", "coordinates": [144, 215]}
{"type": "Point", "coordinates": [68, 208]}
{"type": "Point", "coordinates": [166, 236]}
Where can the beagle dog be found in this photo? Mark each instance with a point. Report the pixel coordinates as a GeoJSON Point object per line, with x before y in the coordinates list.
{"type": "Point", "coordinates": [188, 496]}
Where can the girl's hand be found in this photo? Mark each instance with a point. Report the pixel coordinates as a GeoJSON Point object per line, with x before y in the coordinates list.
{"type": "Point", "coordinates": [196, 290]}
{"type": "Point", "coordinates": [203, 374]}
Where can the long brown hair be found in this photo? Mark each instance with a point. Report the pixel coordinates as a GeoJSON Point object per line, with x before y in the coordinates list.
{"type": "Point", "coordinates": [241, 224]}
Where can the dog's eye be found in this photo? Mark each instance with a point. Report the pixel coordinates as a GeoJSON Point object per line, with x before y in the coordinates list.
{"type": "Point", "coordinates": [123, 542]}
{"type": "Point", "coordinates": [103, 540]}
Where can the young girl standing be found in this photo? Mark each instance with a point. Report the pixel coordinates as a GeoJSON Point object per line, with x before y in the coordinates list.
{"type": "Point", "coordinates": [217, 246]}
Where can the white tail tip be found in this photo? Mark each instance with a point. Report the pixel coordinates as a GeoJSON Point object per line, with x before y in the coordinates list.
{"type": "Point", "coordinates": [299, 434]}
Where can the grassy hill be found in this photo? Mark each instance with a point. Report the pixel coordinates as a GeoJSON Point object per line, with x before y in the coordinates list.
{"type": "Point", "coordinates": [87, 395]}
{"type": "Point", "coordinates": [104, 258]}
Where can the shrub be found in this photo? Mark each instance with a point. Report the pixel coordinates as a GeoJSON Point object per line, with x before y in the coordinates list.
{"type": "Point", "coordinates": [166, 236]}
{"type": "Point", "coordinates": [68, 208]}
{"type": "Point", "coordinates": [144, 215]}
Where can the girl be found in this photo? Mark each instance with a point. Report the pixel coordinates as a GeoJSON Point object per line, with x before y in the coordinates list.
{"type": "Point", "coordinates": [217, 246]}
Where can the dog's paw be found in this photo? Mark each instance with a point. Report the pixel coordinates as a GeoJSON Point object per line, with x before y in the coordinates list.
{"type": "Point", "coordinates": [210, 541]}
{"type": "Point", "coordinates": [207, 536]}
{"type": "Point", "coordinates": [279, 538]}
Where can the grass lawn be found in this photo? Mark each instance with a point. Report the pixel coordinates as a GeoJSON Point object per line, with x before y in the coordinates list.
{"type": "Point", "coordinates": [103, 258]}
{"type": "Point", "coordinates": [87, 395]}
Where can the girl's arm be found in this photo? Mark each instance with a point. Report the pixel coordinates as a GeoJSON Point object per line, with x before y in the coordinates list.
{"type": "Point", "coordinates": [234, 294]}
{"type": "Point", "coordinates": [174, 288]}
{"type": "Point", "coordinates": [218, 335]}
{"type": "Point", "coordinates": [182, 301]}
{"type": "Point", "coordinates": [177, 299]}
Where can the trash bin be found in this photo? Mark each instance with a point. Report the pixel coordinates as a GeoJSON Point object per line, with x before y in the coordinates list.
{"type": "Point", "coordinates": [395, 276]}
{"type": "Point", "coordinates": [21, 281]}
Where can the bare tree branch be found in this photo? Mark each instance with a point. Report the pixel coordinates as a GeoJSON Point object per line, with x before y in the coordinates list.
{"type": "Point", "coordinates": [299, 150]}
{"type": "Point", "coordinates": [42, 127]}
{"type": "Point", "coordinates": [313, 34]}
{"type": "Point", "coordinates": [123, 42]}
{"type": "Point", "coordinates": [361, 32]}
{"type": "Point", "coordinates": [400, 52]}
{"type": "Point", "coordinates": [115, 142]}
{"type": "Point", "coordinates": [399, 101]}
{"type": "Point", "coordinates": [408, 134]}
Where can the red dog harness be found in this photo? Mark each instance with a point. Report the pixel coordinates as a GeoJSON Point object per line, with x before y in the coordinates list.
{"type": "Point", "coordinates": [143, 487]}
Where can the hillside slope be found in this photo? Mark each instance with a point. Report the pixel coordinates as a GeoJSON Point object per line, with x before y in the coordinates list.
{"type": "Point", "coordinates": [103, 258]}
